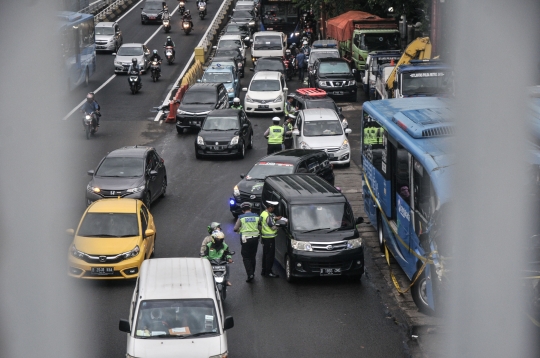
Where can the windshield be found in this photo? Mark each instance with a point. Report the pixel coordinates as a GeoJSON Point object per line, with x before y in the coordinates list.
{"type": "Point", "coordinates": [154, 5]}
{"type": "Point", "coordinates": [322, 216]}
{"type": "Point", "coordinates": [109, 225]}
{"type": "Point", "coordinates": [378, 42]}
{"type": "Point", "coordinates": [121, 167]}
{"type": "Point", "coordinates": [217, 77]}
{"type": "Point", "coordinates": [220, 123]}
{"type": "Point", "coordinates": [263, 169]}
{"type": "Point", "coordinates": [334, 68]}
{"type": "Point", "coordinates": [130, 51]}
{"type": "Point", "coordinates": [427, 83]}
{"type": "Point", "coordinates": [323, 54]}
{"type": "Point", "coordinates": [264, 85]}
{"type": "Point", "coordinates": [242, 15]}
{"type": "Point", "coordinates": [269, 65]}
{"type": "Point", "coordinates": [267, 43]}
{"type": "Point", "coordinates": [228, 52]}
{"type": "Point", "coordinates": [237, 28]}
{"type": "Point", "coordinates": [159, 319]}
{"type": "Point", "coordinates": [321, 104]}
{"type": "Point", "coordinates": [199, 98]}
{"type": "Point", "coordinates": [104, 31]}
{"type": "Point", "coordinates": [229, 44]}
{"type": "Point", "coordinates": [322, 128]}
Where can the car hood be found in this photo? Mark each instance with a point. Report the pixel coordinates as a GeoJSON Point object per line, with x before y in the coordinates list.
{"type": "Point", "coordinates": [218, 136]}
{"type": "Point", "coordinates": [170, 348]}
{"type": "Point", "coordinates": [106, 245]}
{"type": "Point", "coordinates": [324, 141]}
{"type": "Point", "coordinates": [104, 37]}
{"type": "Point", "coordinates": [336, 77]}
{"type": "Point", "coordinates": [109, 183]}
{"type": "Point", "coordinates": [323, 236]}
{"type": "Point", "coordinates": [127, 59]}
{"type": "Point", "coordinates": [197, 108]}
{"type": "Point", "coordinates": [266, 96]}
{"type": "Point", "coordinates": [251, 187]}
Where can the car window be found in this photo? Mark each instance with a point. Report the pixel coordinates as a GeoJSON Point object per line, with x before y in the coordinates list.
{"type": "Point", "coordinates": [217, 77]}
{"type": "Point", "coordinates": [334, 67]}
{"type": "Point", "coordinates": [144, 221]}
{"type": "Point", "coordinates": [282, 80]}
{"type": "Point", "coordinates": [242, 14]}
{"type": "Point", "coordinates": [104, 30]}
{"type": "Point", "coordinates": [199, 97]}
{"type": "Point", "coordinates": [156, 160]}
{"type": "Point", "coordinates": [315, 55]}
{"type": "Point", "coordinates": [265, 85]}
{"type": "Point", "coordinates": [153, 5]}
{"type": "Point", "coordinates": [121, 167]}
{"type": "Point", "coordinates": [302, 167]}
{"type": "Point", "coordinates": [267, 42]}
{"type": "Point", "coordinates": [313, 164]}
{"type": "Point", "coordinates": [220, 123]}
{"type": "Point", "coordinates": [229, 44]}
{"type": "Point", "coordinates": [145, 211]}
{"type": "Point", "coordinates": [321, 128]}
{"type": "Point", "coordinates": [130, 51]}
{"type": "Point", "coordinates": [269, 65]}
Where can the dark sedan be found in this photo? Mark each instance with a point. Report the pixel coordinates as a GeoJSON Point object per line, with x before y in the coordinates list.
{"type": "Point", "coordinates": [225, 132]}
{"type": "Point", "coordinates": [269, 64]}
{"type": "Point", "coordinates": [243, 17]}
{"type": "Point", "coordinates": [236, 54]}
{"type": "Point", "coordinates": [129, 172]}
{"type": "Point", "coordinates": [151, 12]}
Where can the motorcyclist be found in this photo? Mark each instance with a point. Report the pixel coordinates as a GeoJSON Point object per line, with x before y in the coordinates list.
{"type": "Point", "coordinates": [135, 70]}
{"type": "Point", "coordinates": [91, 106]}
{"type": "Point", "coordinates": [214, 226]}
{"type": "Point", "coordinates": [187, 17]}
{"type": "Point", "coordinates": [288, 57]}
{"type": "Point", "coordinates": [218, 249]}
{"type": "Point", "coordinates": [305, 48]}
{"type": "Point", "coordinates": [236, 104]}
{"type": "Point", "coordinates": [202, 3]}
{"type": "Point", "coordinates": [156, 57]}
{"type": "Point", "coordinates": [170, 42]}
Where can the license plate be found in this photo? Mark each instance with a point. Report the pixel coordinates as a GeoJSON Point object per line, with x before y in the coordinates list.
{"type": "Point", "coordinates": [218, 268]}
{"type": "Point", "coordinates": [100, 46]}
{"type": "Point", "coordinates": [338, 92]}
{"type": "Point", "coordinates": [152, 17]}
{"type": "Point", "coordinates": [102, 271]}
{"type": "Point", "coordinates": [217, 148]}
{"type": "Point", "coordinates": [257, 204]}
{"type": "Point", "coordinates": [194, 123]}
{"type": "Point", "coordinates": [263, 106]}
{"type": "Point", "coordinates": [270, 28]}
{"type": "Point", "coordinates": [330, 271]}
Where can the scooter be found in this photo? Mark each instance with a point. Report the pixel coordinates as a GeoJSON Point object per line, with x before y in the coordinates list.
{"type": "Point", "coordinates": [90, 124]}
{"type": "Point", "coordinates": [186, 25]}
{"type": "Point", "coordinates": [202, 12]}
{"type": "Point", "coordinates": [169, 54]}
{"type": "Point", "coordinates": [134, 83]}
{"type": "Point", "coordinates": [166, 25]}
{"type": "Point", "coordinates": [181, 8]}
{"type": "Point", "coordinates": [155, 70]}
{"type": "Point", "coordinates": [288, 69]}
{"type": "Point", "coordinates": [219, 269]}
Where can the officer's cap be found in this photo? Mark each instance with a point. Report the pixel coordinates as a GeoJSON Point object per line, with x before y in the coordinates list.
{"type": "Point", "coordinates": [273, 203]}
{"type": "Point", "coordinates": [245, 205]}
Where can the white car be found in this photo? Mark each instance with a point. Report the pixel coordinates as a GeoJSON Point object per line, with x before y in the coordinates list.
{"type": "Point", "coordinates": [266, 93]}
{"type": "Point", "coordinates": [321, 128]}
{"type": "Point", "coordinates": [232, 41]}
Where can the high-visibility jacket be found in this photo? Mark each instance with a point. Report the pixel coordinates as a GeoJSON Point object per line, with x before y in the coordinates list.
{"type": "Point", "coordinates": [266, 231]}
{"type": "Point", "coordinates": [275, 135]}
{"type": "Point", "coordinates": [250, 224]}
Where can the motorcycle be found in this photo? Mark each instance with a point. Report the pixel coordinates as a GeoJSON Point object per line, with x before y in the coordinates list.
{"type": "Point", "coordinates": [155, 70]}
{"type": "Point", "coordinates": [219, 269]}
{"type": "Point", "coordinates": [289, 72]}
{"type": "Point", "coordinates": [166, 25]}
{"type": "Point", "coordinates": [134, 83]}
{"type": "Point", "coordinates": [181, 7]}
{"type": "Point", "coordinates": [186, 25]}
{"type": "Point", "coordinates": [202, 12]}
{"type": "Point", "coordinates": [169, 54]}
{"type": "Point", "coordinates": [90, 124]}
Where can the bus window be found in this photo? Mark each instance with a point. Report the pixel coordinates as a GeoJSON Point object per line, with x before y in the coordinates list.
{"type": "Point", "coordinates": [374, 144]}
{"type": "Point", "coordinates": [425, 199]}
{"type": "Point", "coordinates": [402, 178]}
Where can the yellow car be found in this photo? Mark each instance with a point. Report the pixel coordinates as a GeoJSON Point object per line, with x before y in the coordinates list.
{"type": "Point", "coordinates": [113, 239]}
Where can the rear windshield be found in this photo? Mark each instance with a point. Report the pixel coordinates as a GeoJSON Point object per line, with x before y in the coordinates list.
{"type": "Point", "coordinates": [229, 44]}
{"type": "Point", "coordinates": [199, 97]}
{"type": "Point", "coordinates": [104, 31]}
{"type": "Point", "coordinates": [242, 14]}
{"type": "Point", "coordinates": [228, 52]}
{"type": "Point", "coordinates": [265, 85]}
{"type": "Point", "coordinates": [130, 51]}
{"type": "Point", "coordinates": [217, 77]}
{"type": "Point", "coordinates": [109, 225]}
{"type": "Point", "coordinates": [269, 65]}
{"type": "Point", "coordinates": [334, 68]}
{"type": "Point", "coordinates": [267, 43]}
{"type": "Point", "coordinates": [323, 54]}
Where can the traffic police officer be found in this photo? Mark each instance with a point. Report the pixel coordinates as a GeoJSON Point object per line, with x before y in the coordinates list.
{"type": "Point", "coordinates": [274, 134]}
{"type": "Point", "coordinates": [287, 138]}
{"type": "Point", "coordinates": [268, 238]}
{"type": "Point", "coordinates": [248, 227]}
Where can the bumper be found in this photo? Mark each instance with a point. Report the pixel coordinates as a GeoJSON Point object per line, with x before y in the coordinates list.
{"type": "Point", "coordinates": [221, 151]}
{"type": "Point", "coordinates": [340, 157]}
{"type": "Point", "coordinates": [122, 270]}
{"type": "Point", "coordinates": [91, 196]}
{"type": "Point", "coordinates": [189, 122]}
{"type": "Point", "coordinates": [234, 205]}
{"type": "Point", "coordinates": [310, 264]}
{"type": "Point", "coordinates": [121, 68]}
{"type": "Point", "coordinates": [340, 92]}
{"type": "Point", "coordinates": [254, 107]}
{"type": "Point", "coordinates": [107, 47]}
{"type": "Point", "coordinates": [151, 19]}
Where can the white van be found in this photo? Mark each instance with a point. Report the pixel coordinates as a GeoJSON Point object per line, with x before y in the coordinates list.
{"type": "Point", "coordinates": [176, 312]}
{"type": "Point", "coordinates": [268, 44]}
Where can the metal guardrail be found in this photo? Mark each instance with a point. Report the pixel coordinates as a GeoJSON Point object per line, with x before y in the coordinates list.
{"type": "Point", "coordinates": [212, 31]}
{"type": "Point", "coordinates": [95, 6]}
{"type": "Point", "coordinates": [110, 6]}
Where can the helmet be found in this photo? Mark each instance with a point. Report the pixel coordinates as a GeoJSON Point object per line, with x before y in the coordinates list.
{"type": "Point", "coordinates": [287, 52]}
{"type": "Point", "coordinates": [218, 236]}
{"type": "Point", "coordinates": [188, 12]}
{"type": "Point", "coordinates": [155, 52]}
{"type": "Point", "coordinates": [276, 119]}
{"type": "Point", "coordinates": [168, 38]}
{"type": "Point", "coordinates": [213, 227]}
{"type": "Point", "coordinates": [134, 60]}
{"type": "Point", "coordinates": [246, 205]}
{"type": "Point", "coordinates": [304, 43]}
{"type": "Point", "coordinates": [236, 100]}
{"type": "Point", "coordinates": [90, 96]}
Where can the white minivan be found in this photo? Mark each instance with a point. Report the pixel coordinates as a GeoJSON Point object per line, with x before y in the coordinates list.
{"type": "Point", "coordinates": [268, 44]}
{"type": "Point", "coordinates": [176, 311]}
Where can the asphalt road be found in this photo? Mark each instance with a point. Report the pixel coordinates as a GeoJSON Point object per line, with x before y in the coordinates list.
{"type": "Point", "coordinates": [316, 317]}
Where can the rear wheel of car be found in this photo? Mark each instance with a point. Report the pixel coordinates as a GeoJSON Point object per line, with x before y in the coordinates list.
{"type": "Point", "coordinates": [250, 146]}
{"type": "Point", "coordinates": [242, 152]}
{"type": "Point", "coordinates": [147, 199]}
{"type": "Point", "coordinates": [163, 187]}
{"type": "Point", "coordinates": [288, 269]}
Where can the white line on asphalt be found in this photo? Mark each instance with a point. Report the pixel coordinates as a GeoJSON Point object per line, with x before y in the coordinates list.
{"type": "Point", "coordinates": [113, 76]}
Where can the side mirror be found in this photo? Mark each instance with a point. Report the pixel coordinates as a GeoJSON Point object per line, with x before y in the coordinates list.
{"type": "Point", "coordinates": [91, 172]}
{"type": "Point", "coordinates": [70, 232]}
{"type": "Point", "coordinates": [149, 232]}
{"type": "Point", "coordinates": [348, 131]}
{"type": "Point", "coordinates": [229, 323]}
{"type": "Point", "coordinates": [242, 176]}
{"type": "Point", "coordinates": [123, 326]}
{"type": "Point", "coordinates": [244, 89]}
{"type": "Point", "coordinates": [359, 220]}
{"type": "Point", "coordinates": [281, 223]}
{"type": "Point", "coordinates": [251, 69]}
{"type": "Point", "coordinates": [296, 132]}
{"type": "Point", "coordinates": [153, 173]}
{"type": "Point", "coordinates": [340, 110]}
{"type": "Point", "coordinates": [114, 53]}
{"type": "Point", "coordinates": [354, 71]}
{"type": "Point", "coordinates": [285, 89]}
{"type": "Point", "coordinates": [214, 47]}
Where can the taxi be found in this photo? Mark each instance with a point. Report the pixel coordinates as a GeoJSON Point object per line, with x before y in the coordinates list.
{"type": "Point", "coordinates": [112, 240]}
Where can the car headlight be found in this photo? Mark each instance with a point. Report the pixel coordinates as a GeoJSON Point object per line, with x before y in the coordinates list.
{"type": "Point", "coordinates": [354, 243]}
{"type": "Point", "coordinates": [323, 83]}
{"type": "Point", "coordinates": [234, 141]}
{"type": "Point", "coordinates": [279, 99]}
{"type": "Point", "coordinates": [230, 90]}
{"type": "Point", "coordinates": [143, 13]}
{"type": "Point", "coordinates": [131, 253]}
{"type": "Point", "coordinates": [296, 34]}
{"type": "Point", "coordinates": [118, 63]}
{"type": "Point", "coordinates": [93, 189]}
{"type": "Point", "coordinates": [344, 145]}
{"type": "Point", "coordinates": [76, 253]}
{"type": "Point", "coordinates": [301, 245]}
{"type": "Point", "coordinates": [222, 355]}
{"type": "Point", "coordinates": [251, 23]}
{"type": "Point", "coordinates": [200, 140]}
{"type": "Point", "coordinates": [304, 145]}
{"type": "Point", "coordinates": [236, 191]}
{"type": "Point", "coordinates": [248, 98]}
{"type": "Point", "coordinates": [352, 83]}
{"type": "Point", "coordinates": [136, 190]}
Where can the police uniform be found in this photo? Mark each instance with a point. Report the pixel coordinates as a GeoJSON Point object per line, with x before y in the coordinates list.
{"type": "Point", "coordinates": [248, 227]}
{"type": "Point", "coordinates": [268, 239]}
{"type": "Point", "coordinates": [275, 139]}
{"type": "Point", "coordinates": [288, 139]}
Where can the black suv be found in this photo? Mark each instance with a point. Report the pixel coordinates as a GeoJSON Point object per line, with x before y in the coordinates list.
{"type": "Point", "coordinates": [197, 102]}
{"type": "Point", "coordinates": [284, 162]}
{"type": "Point", "coordinates": [129, 172]}
{"type": "Point", "coordinates": [151, 12]}
{"type": "Point", "coordinates": [335, 77]}
{"type": "Point", "coordinates": [225, 132]}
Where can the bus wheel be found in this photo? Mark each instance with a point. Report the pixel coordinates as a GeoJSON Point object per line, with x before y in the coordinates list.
{"type": "Point", "coordinates": [86, 78]}
{"type": "Point", "coordinates": [419, 294]}
{"type": "Point", "coordinates": [380, 235]}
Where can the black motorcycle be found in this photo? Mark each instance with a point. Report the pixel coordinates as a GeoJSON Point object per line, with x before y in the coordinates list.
{"type": "Point", "coordinates": [155, 70]}
{"type": "Point", "coordinates": [219, 268]}
{"type": "Point", "coordinates": [134, 83]}
{"type": "Point", "coordinates": [90, 124]}
{"type": "Point", "coordinates": [186, 25]}
{"type": "Point", "coordinates": [169, 54]}
{"type": "Point", "coordinates": [181, 7]}
{"type": "Point", "coordinates": [202, 12]}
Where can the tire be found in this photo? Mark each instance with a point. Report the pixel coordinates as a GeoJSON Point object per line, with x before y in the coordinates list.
{"type": "Point", "coordinates": [418, 293]}
{"type": "Point", "coordinates": [87, 132]}
{"type": "Point", "coordinates": [288, 275]}
{"type": "Point", "coordinates": [179, 130]}
{"type": "Point", "coordinates": [242, 153]}
{"type": "Point", "coordinates": [147, 199]}
{"type": "Point", "coordinates": [223, 291]}
{"type": "Point", "coordinates": [86, 78]}
{"type": "Point", "coordinates": [133, 90]}
{"type": "Point", "coordinates": [154, 77]}
{"type": "Point", "coordinates": [163, 187]}
{"type": "Point", "coordinates": [250, 146]}
{"type": "Point", "coordinates": [380, 235]}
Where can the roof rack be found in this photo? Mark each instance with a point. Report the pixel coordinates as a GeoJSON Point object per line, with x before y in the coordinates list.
{"type": "Point", "coordinates": [311, 92]}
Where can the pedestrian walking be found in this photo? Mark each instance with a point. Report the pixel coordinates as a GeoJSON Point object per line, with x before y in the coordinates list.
{"type": "Point", "coordinates": [248, 227]}
{"type": "Point", "coordinates": [274, 134]}
{"type": "Point", "coordinates": [268, 238]}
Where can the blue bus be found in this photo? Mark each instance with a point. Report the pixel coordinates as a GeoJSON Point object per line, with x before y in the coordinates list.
{"type": "Point", "coordinates": [406, 160]}
{"type": "Point", "coordinates": [77, 36]}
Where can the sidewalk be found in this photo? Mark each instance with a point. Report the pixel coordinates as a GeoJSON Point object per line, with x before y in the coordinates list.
{"type": "Point", "coordinates": [420, 329]}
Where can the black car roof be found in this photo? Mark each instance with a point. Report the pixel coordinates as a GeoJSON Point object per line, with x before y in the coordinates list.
{"type": "Point", "coordinates": [225, 112]}
{"type": "Point", "coordinates": [290, 155]}
{"type": "Point", "coordinates": [131, 151]}
{"type": "Point", "coordinates": [204, 87]}
{"type": "Point", "coordinates": [305, 189]}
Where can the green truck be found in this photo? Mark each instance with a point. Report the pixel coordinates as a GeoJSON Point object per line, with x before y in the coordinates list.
{"type": "Point", "coordinates": [360, 33]}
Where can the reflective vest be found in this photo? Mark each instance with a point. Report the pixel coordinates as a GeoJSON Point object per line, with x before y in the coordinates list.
{"type": "Point", "coordinates": [276, 135]}
{"type": "Point", "coordinates": [288, 108]}
{"type": "Point", "coordinates": [250, 224]}
{"type": "Point", "coordinates": [217, 254]}
{"type": "Point", "coordinates": [236, 107]}
{"type": "Point", "coordinates": [373, 135]}
{"type": "Point", "coordinates": [266, 231]}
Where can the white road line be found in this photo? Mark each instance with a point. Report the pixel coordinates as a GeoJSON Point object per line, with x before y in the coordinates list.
{"type": "Point", "coordinates": [113, 76]}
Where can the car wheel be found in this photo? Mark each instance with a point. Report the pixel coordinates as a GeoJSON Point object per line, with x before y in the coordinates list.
{"type": "Point", "coordinates": [163, 187]}
{"type": "Point", "coordinates": [419, 294]}
{"type": "Point", "coordinates": [250, 146]}
{"type": "Point", "coordinates": [242, 152]}
{"type": "Point", "coordinates": [179, 130]}
{"type": "Point", "coordinates": [288, 269]}
{"type": "Point", "coordinates": [147, 199]}
{"type": "Point", "coordinates": [380, 235]}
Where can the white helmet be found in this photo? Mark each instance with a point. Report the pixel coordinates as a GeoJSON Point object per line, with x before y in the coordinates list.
{"type": "Point", "coordinates": [287, 51]}
{"type": "Point", "coordinates": [304, 43]}
{"type": "Point", "coordinates": [218, 235]}
{"type": "Point", "coordinates": [276, 119]}
{"type": "Point", "coordinates": [236, 100]}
